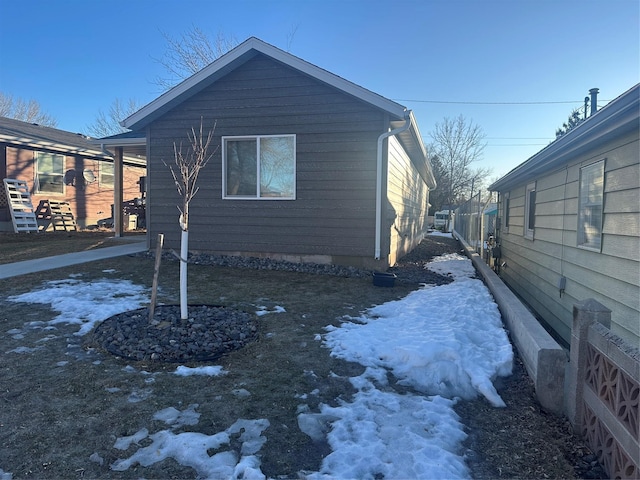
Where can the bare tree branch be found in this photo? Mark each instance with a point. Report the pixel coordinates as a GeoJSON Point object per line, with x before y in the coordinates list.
{"type": "Point", "coordinates": [189, 54]}
{"type": "Point", "coordinates": [292, 32]}
{"type": "Point", "coordinates": [25, 110]}
{"type": "Point", "coordinates": [456, 145]}
{"type": "Point", "coordinates": [188, 166]}
{"type": "Point", "coordinates": [107, 124]}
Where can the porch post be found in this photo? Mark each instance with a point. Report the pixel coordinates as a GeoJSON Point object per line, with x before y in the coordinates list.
{"type": "Point", "coordinates": [118, 185]}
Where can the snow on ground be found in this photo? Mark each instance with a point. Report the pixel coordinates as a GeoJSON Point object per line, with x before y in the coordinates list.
{"type": "Point", "coordinates": [77, 300]}
{"type": "Point", "coordinates": [190, 449]}
{"type": "Point", "coordinates": [211, 370]}
{"type": "Point", "coordinates": [445, 342]}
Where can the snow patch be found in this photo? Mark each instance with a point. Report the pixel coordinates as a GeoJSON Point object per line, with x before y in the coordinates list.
{"type": "Point", "coordinates": [191, 449]}
{"type": "Point", "coordinates": [76, 300]}
{"type": "Point", "coordinates": [212, 371]}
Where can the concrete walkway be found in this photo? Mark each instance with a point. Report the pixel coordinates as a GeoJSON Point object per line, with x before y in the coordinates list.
{"type": "Point", "coordinates": [49, 263]}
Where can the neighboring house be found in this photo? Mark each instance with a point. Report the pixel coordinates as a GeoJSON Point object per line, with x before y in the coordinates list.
{"type": "Point", "coordinates": [60, 166]}
{"type": "Point", "coordinates": [308, 166]}
{"type": "Point", "coordinates": [570, 221]}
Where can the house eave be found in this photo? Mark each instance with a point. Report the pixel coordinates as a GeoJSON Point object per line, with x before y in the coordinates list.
{"type": "Point", "coordinates": [411, 139]}
{"type": "Point", "coordinates": [239, 55]}
{"type": "Point", "coordinates": [620, 116]}
{"type": "Point", "coordinates": [134, 148]}
{"type": "Point", "coordinates": [53, 147]}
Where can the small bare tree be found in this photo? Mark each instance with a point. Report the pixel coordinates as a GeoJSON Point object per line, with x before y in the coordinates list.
{"type": "Point", "coordinates": [185, 176]}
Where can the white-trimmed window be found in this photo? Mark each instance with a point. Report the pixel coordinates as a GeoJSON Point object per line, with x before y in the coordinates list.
{"type": "Point", "coordinates": [259, 167]}
{"type": "Point", "coordinates": [590, 207]}
{"type": "Point", "coordinates": [49, 173]}
{"type": "Point", "coordinates": [107, 174]}
{"type": "Point", "coordinates": [505, 213]}
{"type": "Point", "coordinates": [530, 210]}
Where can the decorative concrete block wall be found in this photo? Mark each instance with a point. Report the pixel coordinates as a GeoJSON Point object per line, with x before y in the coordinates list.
{"type": "Point", "coordinates": [602, 399]}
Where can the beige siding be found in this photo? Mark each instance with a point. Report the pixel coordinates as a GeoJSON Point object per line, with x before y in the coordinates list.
{"type": "Point", "coordinates": [611, 276]}
{"type": "Point", "coordinates": [408, 198]}
{"type": "Point", "coordinates": [333, 215]}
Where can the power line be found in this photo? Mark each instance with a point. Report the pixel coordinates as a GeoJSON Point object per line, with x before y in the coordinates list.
{"type": "Point", "coordinates": [517, 145]}
{"type": "Point", "coordinates": [548, 139]}
{"type": "Point", "coordinates": [492, 103]}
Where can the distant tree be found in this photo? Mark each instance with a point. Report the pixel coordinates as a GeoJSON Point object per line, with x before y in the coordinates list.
{"type": "Point", "coordinates": [189, 54]}
{"type": "Point", "coordinates": [456, 144]}
{"type": "Point", "coordinates": [572, 122]}
{"type": "Point", "coordinates": [107, 124]}
{"type": "Point", "coordinates": [438, 196]}
{"type": "Point", "coordinates": [25, 110]}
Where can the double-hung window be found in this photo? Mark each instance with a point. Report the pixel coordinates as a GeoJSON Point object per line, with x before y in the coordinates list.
{"type": "Point", "coordinates": [590, 206]}
{"type": "Point", "coordinates": [49, 173]}
{"type": "Point", "coordinates": [259, 167]}
{"type": "Point", "coordinates": [530, 210]}
{"type": "Point", "coordinates": [107, 174]}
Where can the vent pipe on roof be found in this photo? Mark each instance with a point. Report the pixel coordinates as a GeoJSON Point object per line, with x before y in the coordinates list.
{"type": "Point", "coordinates": [594, 100]}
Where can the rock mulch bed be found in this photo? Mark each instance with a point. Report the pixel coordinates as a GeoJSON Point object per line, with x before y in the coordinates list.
{"type": "Point", "coordinates": [213, 331]}
{"type": "Point", "coordinates": [208, 333]}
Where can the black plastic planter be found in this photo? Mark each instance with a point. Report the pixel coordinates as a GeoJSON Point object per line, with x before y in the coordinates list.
{"type": "Point", "coordinates": [383, 279]}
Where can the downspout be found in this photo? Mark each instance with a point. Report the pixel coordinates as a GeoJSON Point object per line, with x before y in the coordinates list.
{"type": "Point", "coordinates": [381, 138]}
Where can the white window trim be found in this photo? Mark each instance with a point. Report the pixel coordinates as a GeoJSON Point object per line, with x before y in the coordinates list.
{"type": "Point", "coordinates": [529, 232]}
{"type": "Point", "coordinates": [579, 236]}
{"type": "Point", "coordinates": [112, 174]}
{"type": "Point", "coordinates": [257, 138]}
{"type": "Point", "coordinates": [505, 213]}
{"type": "Point", "coordinates": [36, 153]}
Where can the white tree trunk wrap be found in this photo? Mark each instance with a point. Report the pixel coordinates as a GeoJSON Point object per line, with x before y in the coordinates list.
{"type": "Point", "coordinates": [184, 253]}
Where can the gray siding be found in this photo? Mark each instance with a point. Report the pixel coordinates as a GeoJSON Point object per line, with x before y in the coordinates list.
{"type": "Point", "coordinates": [333, 214]}
{"type": "Point", "coordinates": [611, 276]}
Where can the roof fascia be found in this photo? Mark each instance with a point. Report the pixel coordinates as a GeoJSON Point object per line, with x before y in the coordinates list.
{"type": "Point", "coordinates": [51, 146]}
{"type": "Point", "coordinates": [620, 115]}
{"type": "Point", "coordinates": [121, 142]}
{"type": "Point", "coordinates": [417, 150]}
{"type": "Point", "coordinates": [239, 55]}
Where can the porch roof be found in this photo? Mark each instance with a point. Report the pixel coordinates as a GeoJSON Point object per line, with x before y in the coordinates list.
{"type": "Point", "coordinates": [134, 146]}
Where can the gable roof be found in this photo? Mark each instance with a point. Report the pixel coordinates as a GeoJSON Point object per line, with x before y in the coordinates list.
{"type": "Point", "coordinates": [239, 55]}
{"type": "Point", "coordinates": [618, 117]}
{"type": "Point", "coordinates": [411, 138]}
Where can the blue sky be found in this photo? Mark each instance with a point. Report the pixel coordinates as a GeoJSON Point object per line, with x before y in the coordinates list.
{"type": "Point", "coordinates": [76, 57]}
